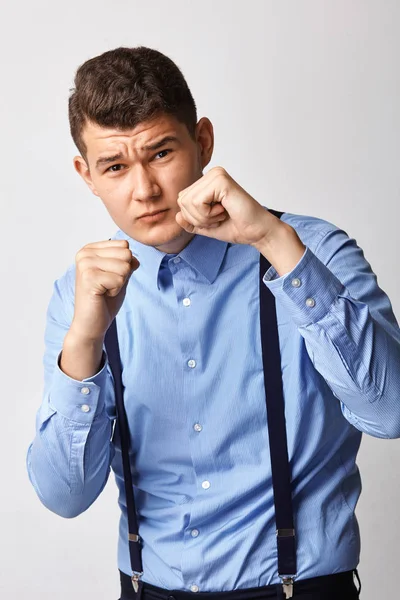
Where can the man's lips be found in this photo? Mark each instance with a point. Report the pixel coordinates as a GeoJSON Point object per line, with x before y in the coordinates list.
{"type": "Point", "coordinates": [153, 215]}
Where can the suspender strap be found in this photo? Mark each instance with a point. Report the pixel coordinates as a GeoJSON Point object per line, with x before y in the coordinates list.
{"type": "Point", "coordinates": [114, 359]}
{"type": "Point", "coordinates": [281, 477]}
{"type": "Point", "coordinates": [277, 439]}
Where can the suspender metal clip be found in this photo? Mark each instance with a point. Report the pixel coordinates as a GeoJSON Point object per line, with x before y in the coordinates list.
{"type": "Point", "coordinates": [287, 585]}
{"type": "Point", "coordinates": [136, 575]}
{"type": "Point", "coordinates": [288, 580]}
{"type": "Point", "coordinates": [135, 580]}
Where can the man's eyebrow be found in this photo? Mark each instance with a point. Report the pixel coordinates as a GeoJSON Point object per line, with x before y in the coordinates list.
{"type": "Point", "coordinates": [165, 140]}
{"type": "Point", "coordinates": [108, 159]}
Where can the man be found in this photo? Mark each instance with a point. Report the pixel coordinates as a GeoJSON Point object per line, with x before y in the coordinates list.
{"type": "Point", "coordinates": [180, 277]}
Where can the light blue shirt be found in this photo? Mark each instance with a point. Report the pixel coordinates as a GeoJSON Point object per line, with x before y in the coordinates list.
{"type": "Point", "coordinates": [190, 345]}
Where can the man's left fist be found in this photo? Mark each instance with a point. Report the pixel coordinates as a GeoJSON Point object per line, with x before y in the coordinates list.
{"type": "Point", "coordinates": [216, 206]}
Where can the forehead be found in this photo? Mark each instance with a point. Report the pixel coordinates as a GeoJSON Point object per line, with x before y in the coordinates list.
{"type": "Point", "coordinates": [98, 138]}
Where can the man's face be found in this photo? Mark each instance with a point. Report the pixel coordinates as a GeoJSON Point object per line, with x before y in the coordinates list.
{"type": "Point", "coordinates": [139, 171]}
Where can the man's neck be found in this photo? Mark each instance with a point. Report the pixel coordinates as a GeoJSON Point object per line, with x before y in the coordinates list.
{"type": "Point", "coordinates": [177, 245]}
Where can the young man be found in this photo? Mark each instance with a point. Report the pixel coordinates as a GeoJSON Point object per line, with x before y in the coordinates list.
{"type": "Point", "coordinates": [181, 277]}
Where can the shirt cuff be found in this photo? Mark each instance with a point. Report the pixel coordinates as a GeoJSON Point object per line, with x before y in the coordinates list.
{"type": "Point", "coordinates": [79, 401]}
{"type": "Point", "coordinates": [308, 291]}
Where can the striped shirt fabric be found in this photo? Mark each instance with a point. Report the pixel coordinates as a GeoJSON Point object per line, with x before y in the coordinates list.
{"type": "Point", "coordinates": [189, 335]}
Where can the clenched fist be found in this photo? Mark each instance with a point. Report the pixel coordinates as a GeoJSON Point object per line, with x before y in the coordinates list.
{"type": "Point", "coordinates": [103, 270]}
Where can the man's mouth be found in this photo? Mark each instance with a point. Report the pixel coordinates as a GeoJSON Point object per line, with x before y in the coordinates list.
{"type": "Point", "coordinates": [154, 216]}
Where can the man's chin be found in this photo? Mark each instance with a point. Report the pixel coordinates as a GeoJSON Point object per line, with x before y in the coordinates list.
{"type": "Point", "coordinates": [159, 235]}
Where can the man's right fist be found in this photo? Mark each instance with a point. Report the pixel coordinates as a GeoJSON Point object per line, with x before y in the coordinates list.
{"type": "Point", "coordinates": [103, 270]}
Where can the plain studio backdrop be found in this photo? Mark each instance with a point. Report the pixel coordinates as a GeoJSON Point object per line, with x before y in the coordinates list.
{"type": "Point", "coordinates": [304, 96]}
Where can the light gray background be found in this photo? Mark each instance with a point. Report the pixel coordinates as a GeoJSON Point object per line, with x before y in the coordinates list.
{"type": "Point", "coordinates": [304, 96]}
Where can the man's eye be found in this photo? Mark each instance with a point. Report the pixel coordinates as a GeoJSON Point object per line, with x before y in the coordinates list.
{"type": "Point", "coordinates": [114, 168]}
{"type": "Point", "coordinates": [163, 152]}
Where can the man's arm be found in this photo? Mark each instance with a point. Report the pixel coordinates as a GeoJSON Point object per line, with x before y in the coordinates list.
{"type": "Point", "coordinates": [347, 322]}
{"type": "Point", "coordinates": [69, 460]}
{"type": "Point", "coordinates": [332, 295]}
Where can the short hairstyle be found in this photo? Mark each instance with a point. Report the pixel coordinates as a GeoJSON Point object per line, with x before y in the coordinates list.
{"type": "Point", "coordinates": [127, 86]}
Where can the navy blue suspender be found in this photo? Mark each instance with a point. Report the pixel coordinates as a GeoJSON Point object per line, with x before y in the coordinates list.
{"type": "Point", "coordinates": [280, 468]}
{"type": "Point", "coordinates": [112, 348]}
{"type": "Point", "coordinates": [281, 478]}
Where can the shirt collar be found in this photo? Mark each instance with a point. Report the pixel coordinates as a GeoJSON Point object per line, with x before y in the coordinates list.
{"type": "Point", "coordinates": [203, 254]}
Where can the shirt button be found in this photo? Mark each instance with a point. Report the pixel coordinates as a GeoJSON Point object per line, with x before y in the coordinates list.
{"type": "Point", "coordinates": [310, 302]}
{"type": "Point", "coordinates": [205, 485]}
{"type": "Point", "coordinates": [177, 260]}
{"type": "Point", "coordinates": [85, 408]}
{"type": "Point", "coordinates": [197, 427]}
{"type": "Point", "coordinates": [186, 302]}
{"type": "Point", "coordinates": [194, 533]}
{"type": "Point", "coordinates": [85, 390]}
{"type": "Point", "coordinates": [191, 363]}
{"type": "Point", "coordinates": [194, 588]}
{"type": "Point", "coordinates": [296, 282]}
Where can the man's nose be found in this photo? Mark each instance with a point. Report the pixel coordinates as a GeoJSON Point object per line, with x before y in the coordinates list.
{"type": "Point", "coordinates": [144, 185]}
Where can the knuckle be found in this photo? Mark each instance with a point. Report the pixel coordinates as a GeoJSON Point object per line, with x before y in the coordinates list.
{"type": "Point", "coordinates": [120, 280]}
{"type": "Point", "coordinates": [219, 171]}
{"type": "Point", "coordinates": [80, 255]}
{"type": "Point", "coordinates": [126, 254]}
{"type": "Point", "coordinates": [113, 292]}
{"type": "Point", "coordinates": [85, 264]}
{"type": "Point", "coordinates": [88, 273]}
{"type": "Point", "coordinates": [126, 269]}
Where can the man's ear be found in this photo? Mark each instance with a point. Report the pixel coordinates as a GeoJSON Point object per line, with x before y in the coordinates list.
{"type": "Point", "coordinates": [82, 168]}
{"type": "Point", "coordinates": [205, 140]}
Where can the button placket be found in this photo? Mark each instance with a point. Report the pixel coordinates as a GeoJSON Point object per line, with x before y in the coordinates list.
{"type": "Point", "coordinates": [190, 345]}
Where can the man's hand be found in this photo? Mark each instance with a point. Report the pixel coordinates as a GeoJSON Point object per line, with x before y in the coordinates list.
{"type": "Point", "coordinates": [103, 270]}
{"type": "Point", "coordinates": [216, 206]}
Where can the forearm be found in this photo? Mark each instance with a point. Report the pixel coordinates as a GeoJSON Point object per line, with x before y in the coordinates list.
{"type": "Point", "coordinates": [350, 331]}
{"type": "Point", "coordinates": [69, 459]}
{"type": "Point", "coordinates": [68, 466]}
{"type": "Point", "coordinates": [360, 360]}
{"type": "Point", "coordinates": [81, 358]}
{"type": "Point", "coordinates": [282, 248]}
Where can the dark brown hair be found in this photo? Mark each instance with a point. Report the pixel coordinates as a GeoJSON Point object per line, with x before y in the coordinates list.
{"type": "Point", "coordinates": [126, 86]}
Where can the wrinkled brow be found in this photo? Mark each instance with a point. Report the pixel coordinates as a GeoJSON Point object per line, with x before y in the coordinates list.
{"type": "Point", "coordinates": [109, 159]}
